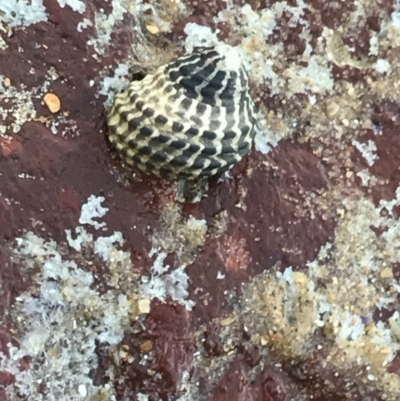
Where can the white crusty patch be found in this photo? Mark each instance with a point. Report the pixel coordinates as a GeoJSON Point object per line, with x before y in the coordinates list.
{"type": "Point", "coordinates": [82, 237]}
{"type": "Point", "coordinates": [93, 209]}
{"type": "Point", "coordinates": [62, 326]}
{"type": "Point", "coordinates": [367, 150]}
{"type": "Point", "coordinates": [22, 12]}
{"type": "Point", "coordinates": [110, 86]}
{"type": "Point", "coordinates": [104, 247]}
{"type": "Point", "coordinates": [232, 60]}
{"type": "Point", "coordinates": [105, 24]}
{"type": "Point", "coordinates": [76, 5]}
{"type": "Point", "coordinates": [163, 284]}
{"type": "Point", "coordinates": [199, 36]}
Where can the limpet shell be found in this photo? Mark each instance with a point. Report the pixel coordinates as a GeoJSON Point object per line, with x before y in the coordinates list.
{"type": "Point", "coordinates": [192, 118]}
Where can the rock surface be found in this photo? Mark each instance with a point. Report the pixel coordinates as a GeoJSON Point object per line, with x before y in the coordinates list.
{"type": "Point", "coordinates": [281, 285]}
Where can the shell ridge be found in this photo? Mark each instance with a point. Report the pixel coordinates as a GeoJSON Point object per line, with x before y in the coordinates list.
{"type": "Point", "coordinates": [193, 117]}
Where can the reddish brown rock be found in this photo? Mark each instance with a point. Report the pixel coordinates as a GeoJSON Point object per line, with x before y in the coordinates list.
{"type": "Point", "coordinates": [270, 219]}
{"type": "Point", "coordinates": [237, 385]}
{"type": "Point", "coordinates": [7, 227]}
{"type": "Point", "coordinates": [164, 347]}
{"type": "Point", "coordinates": [14, 280]}
{"type": "Point", "coordinates": [386, 167]}
{"type": "Point", "coordinates": [260, 222]}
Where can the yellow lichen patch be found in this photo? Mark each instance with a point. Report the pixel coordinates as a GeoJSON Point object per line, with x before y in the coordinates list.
{"type": "Point", "coordinates": [287, 312]}
{"type": "Point", "coordinates": [337, 295]}
{"type": "Point", "coordinates": [339, 53]}
{"type": "Point", "coordinates": [52, 102]}
{"type": "Point", "coordinates": [146, 346]}
{"type": "Point", "coordinates": [228, 321]}
{"type": "Point", "coordinates": [355, 288]}
{"type": "Point", "coordinates": [387, 273]}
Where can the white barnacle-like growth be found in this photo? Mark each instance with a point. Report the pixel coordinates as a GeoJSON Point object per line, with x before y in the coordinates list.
{"type": "Point", "coordinates": [91, 210]}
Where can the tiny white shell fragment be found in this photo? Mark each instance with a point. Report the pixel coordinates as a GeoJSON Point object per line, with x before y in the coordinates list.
{"type": "Point", "coordinates": [82, 390]}
{"type": "Point", "coordinates": [144, 306]}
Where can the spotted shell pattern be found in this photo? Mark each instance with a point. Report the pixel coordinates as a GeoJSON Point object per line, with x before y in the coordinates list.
{"type": "Point", "coordinates": [192, 118]}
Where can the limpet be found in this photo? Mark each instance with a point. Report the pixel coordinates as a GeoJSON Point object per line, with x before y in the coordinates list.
{"type": "Point", "coordinates": [193, 118]}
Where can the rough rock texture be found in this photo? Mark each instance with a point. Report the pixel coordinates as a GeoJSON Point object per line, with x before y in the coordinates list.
{"type": "Point", "coordinates": [282, 284]}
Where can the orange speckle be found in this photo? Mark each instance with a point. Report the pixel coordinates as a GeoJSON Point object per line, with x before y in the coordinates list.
{"type": "Point", "coordinates": [152, 29]}
{"type": "Point", "coordinates": [147, 346]}
{"type": "Point", "coordinates": [52, 102]}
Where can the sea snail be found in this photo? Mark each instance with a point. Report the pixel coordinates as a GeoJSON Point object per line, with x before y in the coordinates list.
{"type": "Point", "coordinates": [191, 119]}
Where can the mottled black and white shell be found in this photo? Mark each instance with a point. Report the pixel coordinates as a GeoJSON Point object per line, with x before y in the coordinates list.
{"type": "Point", "coordinates": [192, 118]}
